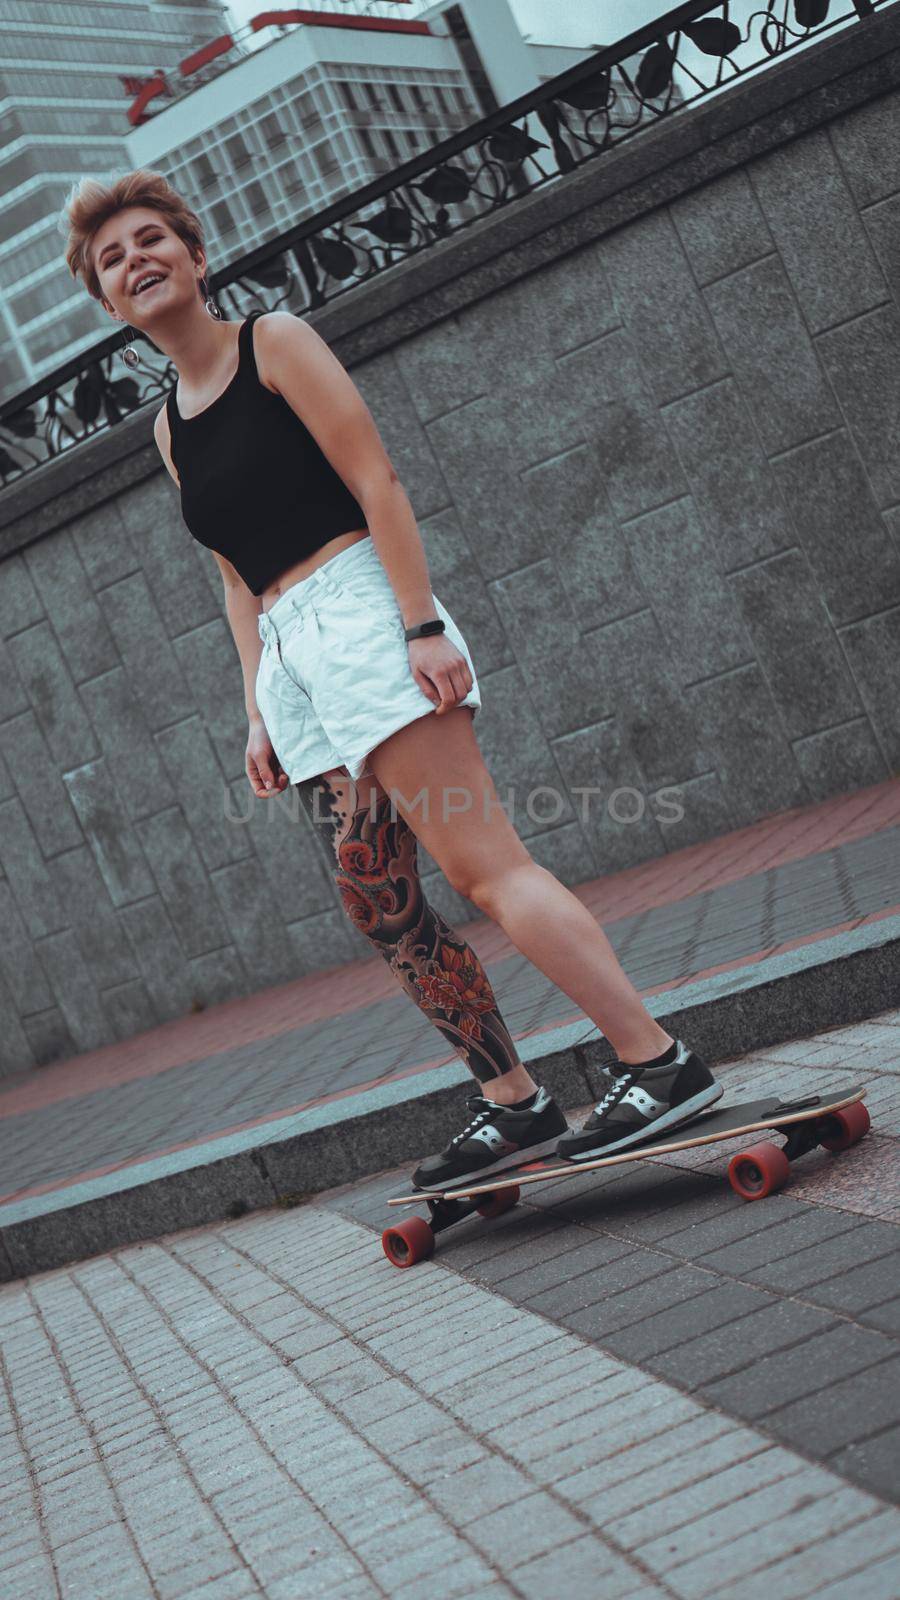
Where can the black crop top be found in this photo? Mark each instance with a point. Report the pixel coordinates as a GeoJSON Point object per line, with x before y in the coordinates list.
{"type": "Point", "coordinates": [255, 485]}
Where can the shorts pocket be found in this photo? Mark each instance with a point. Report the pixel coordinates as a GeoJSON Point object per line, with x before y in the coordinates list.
{"type": "Point", "coordinates": [375, 600]}
{"type": "Point", "coordinates": [273, 678]}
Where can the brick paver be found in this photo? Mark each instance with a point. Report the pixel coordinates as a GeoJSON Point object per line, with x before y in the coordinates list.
{"type": "Point", "coordinates": [268, 1408]}
{"type": "Point", "coordinates": [783, 1313]}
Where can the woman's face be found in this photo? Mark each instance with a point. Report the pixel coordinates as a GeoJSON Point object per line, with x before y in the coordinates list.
{"type": "Point", "coordinates": [133, 245]}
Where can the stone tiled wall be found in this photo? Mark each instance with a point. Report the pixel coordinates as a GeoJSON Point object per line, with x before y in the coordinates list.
{"type": "Point", "coordinates": [658, 483]}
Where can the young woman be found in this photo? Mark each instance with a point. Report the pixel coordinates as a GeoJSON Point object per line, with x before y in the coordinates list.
{"type": "Point", "coordinates": [359, 686]}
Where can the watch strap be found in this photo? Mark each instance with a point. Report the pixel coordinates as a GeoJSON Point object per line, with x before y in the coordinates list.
{"type": "Point", "coordinates": [421, 630]}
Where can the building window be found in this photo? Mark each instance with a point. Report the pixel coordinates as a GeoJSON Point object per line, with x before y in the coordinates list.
{"type": "Point", "coordinates": [237, 151]}
{"type": "Point", "coordinates": [256, 199]}
{"type": "Point", "coordinates": [309, 112]}
{"type": "Point", "coordinates": [205, 171]}
{"type": "Point", "coordinates": [223, 219]}
{"type": "Point", "coordinates": [45, 345]}
{"type": "Point", "coordinates": [39, 298]}
{"type": "Point", "coordinates": [291, 179]}
{"type": "Point", "coordinates": [325, 159]}
{"type": "Point", "coordinates": [272, 132]}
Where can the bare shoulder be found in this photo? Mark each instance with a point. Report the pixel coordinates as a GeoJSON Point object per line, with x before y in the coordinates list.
{"type": "Point", "coordinates": [296, 362]}
{"type": "Point", "coordinates": [275, 325]}
{"type": "Point", "coordinates": [280, 334]}
{"type": "Point", "coordinates": [277, 341]}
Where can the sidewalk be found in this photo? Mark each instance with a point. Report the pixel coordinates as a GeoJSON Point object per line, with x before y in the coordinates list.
{"type": "Point", "coordinates": [637, 1388]}
{"type": "Point", "coordinates": [778, 929]}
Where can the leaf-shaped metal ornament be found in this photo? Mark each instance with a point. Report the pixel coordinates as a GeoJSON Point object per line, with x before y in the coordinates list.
{"type": "Point", "coordinates": [126, 393]}
{"type": "Point", "coordinates": [335, 257]}
{"type": "Point", "coordinates": [655, 71]}
{"type": "Point", "coordinates": [592, 94]}
{"type": "Point", "coordinates": [713, 35]}
{"type": "Point", "coordinates": [87, 397]}
{"type": "Point", "coordinates": [270, 274]}
{"type": "Point", "coordinates": [22, 423]}
{"type": "Point", "coordinates": [447, 186]}
{"type": "Point", "coordinates": [393, 225]}
{"type": "Point", "coordinates": [511, 145]}
{"type": "Point", "coordinates": [810, 13]}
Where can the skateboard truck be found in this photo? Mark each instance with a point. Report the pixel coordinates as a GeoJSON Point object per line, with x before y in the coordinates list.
{"type": "Point", "coordinates": [414, 1238]}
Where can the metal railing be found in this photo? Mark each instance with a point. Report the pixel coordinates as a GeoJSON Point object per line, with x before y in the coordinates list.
{"type": "Point", "coordinates": [695, 50]}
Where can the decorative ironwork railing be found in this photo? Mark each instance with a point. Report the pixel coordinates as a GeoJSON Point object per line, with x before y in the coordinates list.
{"type": "Point", "coordinates": [695, 50]}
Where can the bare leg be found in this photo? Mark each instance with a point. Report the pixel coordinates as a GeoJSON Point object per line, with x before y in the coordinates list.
{"type": "Point", "coordinates": [373, 859]}
{"type": "Point", "coordinates": [482, 855]}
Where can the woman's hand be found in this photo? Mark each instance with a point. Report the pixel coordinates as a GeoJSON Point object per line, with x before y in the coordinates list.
{"type": "Point", "coordinates": [262, 764]}
{"type": "Point", "coordinates": [441, 671]}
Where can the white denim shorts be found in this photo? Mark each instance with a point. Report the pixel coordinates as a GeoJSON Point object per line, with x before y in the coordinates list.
{"type": "Point", "coordinates": [334, 677]}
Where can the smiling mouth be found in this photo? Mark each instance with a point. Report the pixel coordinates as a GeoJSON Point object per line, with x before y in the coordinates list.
{"type": "Point", "coordinates": [139, 293]}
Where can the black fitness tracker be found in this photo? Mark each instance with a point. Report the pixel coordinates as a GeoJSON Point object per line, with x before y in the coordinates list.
{"type": "Point", "coordinates": [422, 629]}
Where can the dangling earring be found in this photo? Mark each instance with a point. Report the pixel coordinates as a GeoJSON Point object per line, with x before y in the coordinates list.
{"type": "Point", "coordinates": [211, 306]}
{"type": "Point", "coordinates": [129, 354]}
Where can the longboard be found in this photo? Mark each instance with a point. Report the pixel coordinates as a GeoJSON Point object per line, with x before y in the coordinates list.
{"type": "Point", "coordinates": [834, 1122]}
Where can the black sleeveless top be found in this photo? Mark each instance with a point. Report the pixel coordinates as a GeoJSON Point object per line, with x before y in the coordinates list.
{"type": "Point", "coordinates": [255, 485]}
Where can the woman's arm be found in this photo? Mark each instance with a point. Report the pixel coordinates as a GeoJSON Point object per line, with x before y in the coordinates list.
{"type": "Point", "coordinates": [242, 608]}
{"type": "Point", "coordinates": [308, 375]}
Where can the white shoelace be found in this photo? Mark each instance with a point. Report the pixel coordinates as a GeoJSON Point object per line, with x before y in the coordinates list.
{"type": "Point", "coordinates": [618, 1085]}
{"type": "Point", "coordinates": [483, 1116]}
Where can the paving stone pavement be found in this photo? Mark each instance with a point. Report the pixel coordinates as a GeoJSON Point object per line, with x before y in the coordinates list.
{"type": "Point", "coordinates": [635, 1386]}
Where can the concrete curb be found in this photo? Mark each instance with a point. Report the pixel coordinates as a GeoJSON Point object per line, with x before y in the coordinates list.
{"type": "Point", "coordinates": [831, 982]}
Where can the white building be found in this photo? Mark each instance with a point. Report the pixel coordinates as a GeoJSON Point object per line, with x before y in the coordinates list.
{"type": "Point", "coordinates": [67, 75]}
{"type": "Point", "coordinates": [276, 135]}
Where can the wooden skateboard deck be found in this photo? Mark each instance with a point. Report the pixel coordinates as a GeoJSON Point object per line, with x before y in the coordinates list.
{"type": "Point", "coordinates": [832, 1121]}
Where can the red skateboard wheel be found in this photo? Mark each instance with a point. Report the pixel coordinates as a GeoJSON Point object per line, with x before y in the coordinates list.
{"type": "Point", "coordinates": [409, 1242]}
{"type": "Point", "coordinates": [501, 1200]}
{"type": "Point", "coordinates": [759, 1171]}
{"type": "Point", "coordinates": [844, 1127]}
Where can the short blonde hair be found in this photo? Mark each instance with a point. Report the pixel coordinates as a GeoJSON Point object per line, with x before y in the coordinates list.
{"type": "Point", "coordinates": [91, 202]}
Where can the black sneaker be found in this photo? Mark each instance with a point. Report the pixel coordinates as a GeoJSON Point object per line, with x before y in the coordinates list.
{"type": "Point", "coordinates": [642, 1102]}
{"type": "Point", "coordinates": [496, 1137]}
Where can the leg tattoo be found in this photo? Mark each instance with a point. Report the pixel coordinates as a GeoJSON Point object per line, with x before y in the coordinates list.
{"type": "Point", "coordinates": [373, 860]}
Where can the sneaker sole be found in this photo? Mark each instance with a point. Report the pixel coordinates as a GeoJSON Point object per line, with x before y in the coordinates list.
{"type": "Point", "coordinates": [669, 1119]}
{"type": "Point", "coordinates": [519, 1158]}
